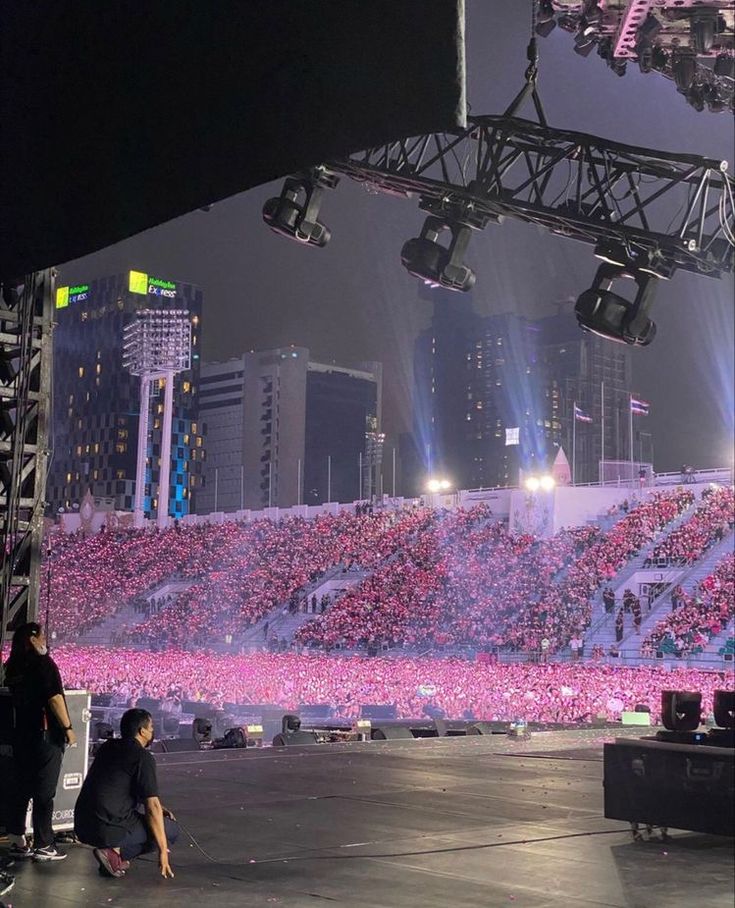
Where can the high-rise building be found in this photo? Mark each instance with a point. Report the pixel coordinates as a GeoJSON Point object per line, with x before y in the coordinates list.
{"type": "Point", "coordinates": [96, 402]}
{"type": "Point", "coordinates": [496, 395]}
{"type": "Point", "coordinates": [284, 430]}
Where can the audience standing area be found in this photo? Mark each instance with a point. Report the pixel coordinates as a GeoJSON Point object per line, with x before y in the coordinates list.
{"type": "Point", "coordinates": [432, 822]}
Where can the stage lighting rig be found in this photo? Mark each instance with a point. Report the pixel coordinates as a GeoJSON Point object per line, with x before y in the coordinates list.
{"type": "Point", "coordinates": [679, 39]}
{"type": "Point", "coordinates": [657, 211]}
{"type": "Point", "coordinates": [294, 214]}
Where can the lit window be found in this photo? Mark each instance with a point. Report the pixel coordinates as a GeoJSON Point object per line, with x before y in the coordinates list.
{"type": "Point", "coordinates": [81, 371]}
{"type": "Point", "coordinates": [99, 368]}
{"type": "Point", "coordinates": [120, 474]}
{"type": "Point", "coordinates": [121, 448]}
{"type": "Point", "coordinates": [186, 387]}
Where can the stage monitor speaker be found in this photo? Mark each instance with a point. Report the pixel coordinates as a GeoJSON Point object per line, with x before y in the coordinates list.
{"type": "Point", "coordinates": [681, 710]}
{"type": "Point", "coordinates": [488, 728]}
{"type": "Point", "coordinates": [724, 708]}
{"type": "Point", "coordinates": [378, 711]}
{"type": "Point", "coordinates": [391, 733]}
{"type": "Point", "coordinates": [179, 745]}
{"type": "Point", "coordinates": [449, 728]}
{"type": "Point", "coordinates": [298, 738]}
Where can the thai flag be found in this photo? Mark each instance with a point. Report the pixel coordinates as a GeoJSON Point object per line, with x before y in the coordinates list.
{"type": "Point", "coordinates": [580, 415]}
{"type": "Point", "coordinates": [641, 407]}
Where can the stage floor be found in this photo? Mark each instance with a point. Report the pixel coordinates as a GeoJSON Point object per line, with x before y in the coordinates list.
{"type": "Point", "coordinates": [481, 821]}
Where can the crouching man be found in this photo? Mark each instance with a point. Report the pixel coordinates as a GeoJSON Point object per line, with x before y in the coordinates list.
{"type": "Point", "coordinates": [118, 811]}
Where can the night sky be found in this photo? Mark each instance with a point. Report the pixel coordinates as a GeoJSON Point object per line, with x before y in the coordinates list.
{"type": "Point", "coordinates": [353, 300]}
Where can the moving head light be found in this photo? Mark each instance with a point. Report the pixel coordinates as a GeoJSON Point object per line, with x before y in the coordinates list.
{"type": "Point", "coordinates": [294, 214]}
{"type": "Point", "coordinates": [441, 266]}
{"type": "Point", "coordinates": [610, 315]}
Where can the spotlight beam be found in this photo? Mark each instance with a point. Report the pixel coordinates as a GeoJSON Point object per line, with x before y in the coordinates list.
{"type": "Point", "coordinates": [574, 184]}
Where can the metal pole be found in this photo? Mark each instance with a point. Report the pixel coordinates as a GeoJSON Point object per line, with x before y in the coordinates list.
{"type": "Point", "coordinates": [359, 467]}
{"type": "Point", "coordinates": [329, 477]}
{"type": "Point", "coordinates": [602, 437]}
{"type": "Point", "coordinates": [270, 483]}
{"type": "Point", "coordinates": [574, 443]}
{"type": "Point", "coordinates": [242, 487]}
{"type": "Point", "coordinates": [165, 471]}
{"type": "Point", "coordinates": [394, 472]}
{"type": "Point", "coordinates": [630, 420]}
{"type": "Point", "coordinates": [298, 481]}
{"type": "Point", "coordinates": [145, 393]}
{"type": "Point", "coordinates": [216, 488]}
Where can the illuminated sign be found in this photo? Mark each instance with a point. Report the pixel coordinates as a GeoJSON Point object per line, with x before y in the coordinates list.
{"type": "Point", "coordinates": [140, 282]}
{"type": "Point", "coordinates": [67, 295]}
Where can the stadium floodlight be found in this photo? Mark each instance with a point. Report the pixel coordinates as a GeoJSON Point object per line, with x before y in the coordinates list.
{"type": "Point", "coordinates": [440, 266]}
{"type": "Point", "coordinates": [294, 214]}
{"type": "Point", "coordinates": [437, 484]}
{"type": "Point", "coordinates": [533, 483]}
{"type": "Point", "coordinates": [609, 315]}
{"type": "Point", "coordinates": [547, 483]}
{"type": "Point", "coordinates": [156, 346]}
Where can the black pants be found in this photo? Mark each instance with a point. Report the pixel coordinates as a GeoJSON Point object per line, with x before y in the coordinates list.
{"type": "Point", "coordinates": [37, 766]}
{"type": "Point", "coordinates": [140, 841]}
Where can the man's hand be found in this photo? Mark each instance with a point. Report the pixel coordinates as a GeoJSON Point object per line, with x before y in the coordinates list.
{"type": "Point", "coordinates": [165, 867]}
{"type": "Point", "coordinates": [71, 738]}
{"type": "Point", "coordinates": [167, 813]}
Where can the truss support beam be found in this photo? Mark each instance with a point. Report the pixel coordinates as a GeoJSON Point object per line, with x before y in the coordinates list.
{"type": "Point", "coordinates": [661, 211]}
{"type": "Point", "coordinates": [26, 324]}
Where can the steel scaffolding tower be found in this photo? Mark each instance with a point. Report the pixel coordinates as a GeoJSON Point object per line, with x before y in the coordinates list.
{"type": "Point", "coordinates": [26, 324]}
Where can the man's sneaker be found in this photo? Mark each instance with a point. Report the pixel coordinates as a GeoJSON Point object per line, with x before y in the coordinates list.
{"type": "Point", "coordinates": [111, 864]}
{"type": "Point", "coordinates": [20, 852]}
{"type": "Point", "coordinates": [49, 853]}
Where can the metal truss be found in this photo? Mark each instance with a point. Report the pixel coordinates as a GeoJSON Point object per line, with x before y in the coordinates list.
{"type": "Point", "coordinates": [26, 320]}
{"type": "Point", "coordinates": [660, 211]}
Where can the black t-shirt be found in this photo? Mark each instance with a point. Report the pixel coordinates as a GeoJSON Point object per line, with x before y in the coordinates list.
{"type": "Point", "coordinates": [122, 776]}
{"type": "Point", "coordinates": [31, 688]}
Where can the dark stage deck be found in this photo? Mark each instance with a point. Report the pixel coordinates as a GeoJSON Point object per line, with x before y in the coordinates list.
{"type": "Point", "coordinates": [485, 821]}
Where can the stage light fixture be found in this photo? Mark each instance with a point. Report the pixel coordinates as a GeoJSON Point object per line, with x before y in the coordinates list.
{"type": "Point", "coordinates": [290, 723]}
{"type": "Point", "coordinates": [725, 65]}
{"type": "Point", "coordinates": [294, 214]}
{"type": "Point", "coordinates": [201, 730]}
{"type": "Point", "coordinates": [681, 710]}
{"type": "Point", "coordinates": [609, 315]}
{"type": "Point", "coordinates": [683, 67]}
{"type": "Point", "coordinates": [724, 708]}
{"type": "Point", "coordinates": [704, 29]}
{"type": "Point", "coordinates": [426, 258]}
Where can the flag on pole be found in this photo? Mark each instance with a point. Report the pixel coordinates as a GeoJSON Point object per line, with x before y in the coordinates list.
{"type": "Point", "coordinates": [580, 415]}
{"type": "Point", "coordinates": [638, 406]}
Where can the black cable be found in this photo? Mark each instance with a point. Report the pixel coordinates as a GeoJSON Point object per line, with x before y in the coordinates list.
{"type": "Point", "coordinates": [402, 854]}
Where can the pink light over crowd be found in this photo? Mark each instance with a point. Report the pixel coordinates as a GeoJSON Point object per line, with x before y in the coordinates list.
{"type": "Point", "coordinates": [552, 693]}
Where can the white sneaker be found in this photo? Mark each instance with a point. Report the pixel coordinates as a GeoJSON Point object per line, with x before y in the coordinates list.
{"type": "Point", "coordinates": [49, 853]}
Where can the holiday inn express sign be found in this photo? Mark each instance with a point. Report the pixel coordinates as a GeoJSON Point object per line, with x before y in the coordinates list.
{"type": "Point", "coordinates": [140, 282]}
{"type": "Point", "coordinates": [67, 295]}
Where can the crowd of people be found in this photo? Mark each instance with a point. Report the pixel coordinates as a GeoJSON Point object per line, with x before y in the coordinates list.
{"type": "Point", "coordinates": [556, 692]}
{"type": "Point", "coordinates": [709, 524]}
{"type": "Point", "coordinates": [475, 582]}
{"type": "Point", "coordinates": [436, 579]}
{"type": "Point", "coordinates": [698, 617]}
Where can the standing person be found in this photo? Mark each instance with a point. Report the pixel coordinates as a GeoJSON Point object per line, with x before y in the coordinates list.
{"type": "Point", "coordinates": [42, 729]}
{"type": "Point", "coordinates": [619, 625]}
{"type": "Point", "coordinates": [608, 597]}
{"type": "Point", "coordinates": [636, 608]}
{"type": "Point", "coordinates": [118, 811]}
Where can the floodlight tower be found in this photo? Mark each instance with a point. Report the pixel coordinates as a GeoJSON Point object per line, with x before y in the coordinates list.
{"type": "Point", "coordinates": [156, 345]}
